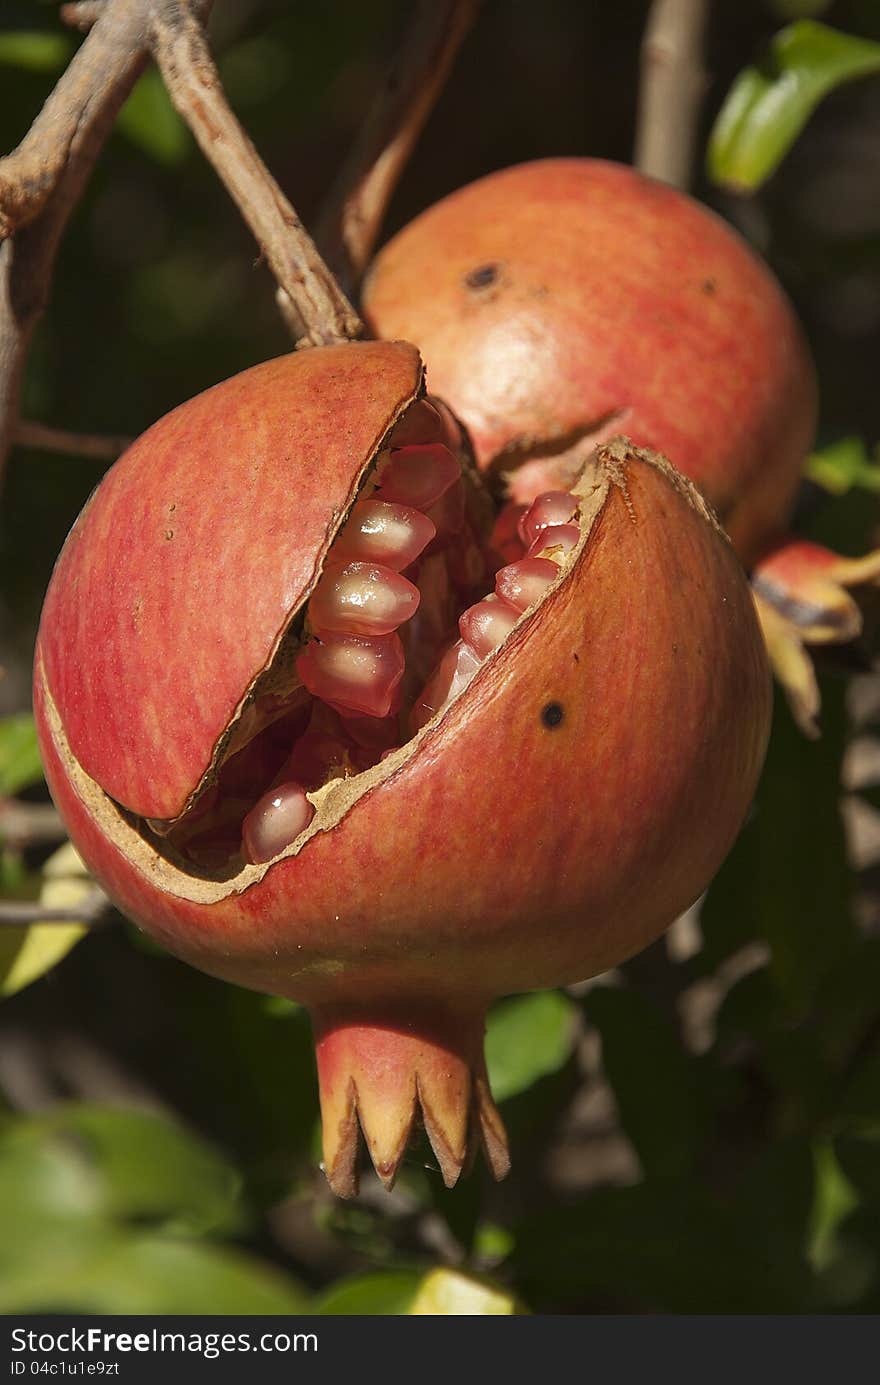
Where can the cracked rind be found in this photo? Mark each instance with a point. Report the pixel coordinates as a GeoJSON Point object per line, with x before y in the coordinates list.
{"type": "Point", "coordinates": [610, 293]}
{"type": "Point", "coordinates": [386, 1068]}
{"type": "Point", "coordinates": [607, 469]}
{"type": "Point", "coordinates": [180, 579]}
{"type": "Point", "coordinates": [650, 644]}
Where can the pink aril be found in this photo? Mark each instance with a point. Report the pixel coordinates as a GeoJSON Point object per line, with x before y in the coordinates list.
{"type": "Point", "coordinates": [452, 675]}
{"type": "Point", "coordinates": [353, 672]}
{"type": "Point", "coordinates": [417, 476]}
{"type": "Point", "coordinates": [422, 423]}
{"type": "Point", "coordinates": [550, 509]}
{"type": "Point", "coordinates": [451, 430]}
{"type": "Point", "coordinates": [275, 821]}
{"type": "Point", "coordinates": [447, 513]}
{"type": "Point", "coordinates": [380, 532]}
{"type": "Point", "coordinates": [555, 542]}
{"type": "Point", "coordinates": [362, 599]}
{"type": "Point", "coordinates": [522, 584]}
{"type": "Point", "coordinates": [486, 625]}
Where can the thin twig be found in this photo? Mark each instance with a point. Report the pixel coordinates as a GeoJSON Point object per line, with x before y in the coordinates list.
{"type": "Point", "coordinates": [323, 313]}
{"type": "Point", "coordinates": [20, 914]}
{"type": "Point", "coordinates": [671, 89]}
{"type": "Point", "coordinates": [358, 201]}
{"type": "Point", "coordinates": [42, 180]}
{"type": "Point", "coordinates": [45, 439]}
{"type": "Point", "coordinates": [29, 824]}
{"type": "Point", "coordinates": [81, 14]}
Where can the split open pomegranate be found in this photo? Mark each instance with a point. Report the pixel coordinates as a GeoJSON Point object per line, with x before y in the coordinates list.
{"type": "Point", "coordinates": [310, 730]}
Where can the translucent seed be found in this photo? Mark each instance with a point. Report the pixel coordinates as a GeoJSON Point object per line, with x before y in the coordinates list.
{"type": "Point", "coordinates": [452, 675]}
{"type": "Point", "coordinates": [362, 599]}
{"type": "Point", "coordinates": [505, 539]}
{"type": "Point", "coordinates": [418, 476]}
{"type": "Point", "coordinates": [522, 584]}
{"type": "Point", "coordinates": [314, 758]}
{"type": "Point", "coordinates": [551, 508]}
{"type": "Point", "coordinates": [452, 432]}
{"type": "Point", "coordinates": [555, 542]}
{"type": "Point", "coordinates": [352, 672]}
{"type": "Point", "coordinates": [379, 532]}
{"type": "Point", "coordinates": [486, 625]}
{"type": "Point", "coordinates": [447, 513]}
{"type": "Point", "coordinates": [275, 821]}
{"type": "Point", "coordinates": [420, 424]}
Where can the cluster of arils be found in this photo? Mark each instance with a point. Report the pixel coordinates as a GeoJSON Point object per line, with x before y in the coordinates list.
{"type": "Point", "coordinates": [387, 645]}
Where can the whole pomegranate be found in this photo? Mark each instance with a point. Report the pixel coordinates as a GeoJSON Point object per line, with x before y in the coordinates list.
{"type": "Point", "coordinates": [308, 737]}
{"type": "Point", "coordinates": [562, 301]}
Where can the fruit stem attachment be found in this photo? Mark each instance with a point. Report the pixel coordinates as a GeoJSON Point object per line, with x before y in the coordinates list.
{"type": "Point", "coordinates": [383, 1065]}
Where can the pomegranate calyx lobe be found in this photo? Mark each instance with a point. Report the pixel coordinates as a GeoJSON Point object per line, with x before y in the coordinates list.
{"type": "Point", "coordinates": [188, 577]}
{"type": "Point", "coordinates": [384, 1066]}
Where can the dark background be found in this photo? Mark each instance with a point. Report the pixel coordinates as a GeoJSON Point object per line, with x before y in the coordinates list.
{"type": "Point", "coordinates": [699, 1131]}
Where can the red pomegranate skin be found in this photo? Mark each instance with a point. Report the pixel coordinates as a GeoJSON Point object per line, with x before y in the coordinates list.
{"type": "Point", "coordinates": [503, 854]}
{"type": "Point", "coordinates": [189, 558]}
{"type": "Point", "coordinates": [573, 296]}
{"type": "Point", "coordinates": [501, 850]}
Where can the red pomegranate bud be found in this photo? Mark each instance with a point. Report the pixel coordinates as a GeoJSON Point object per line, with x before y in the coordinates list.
{"type": "Point", "coordinates": [306, 814]}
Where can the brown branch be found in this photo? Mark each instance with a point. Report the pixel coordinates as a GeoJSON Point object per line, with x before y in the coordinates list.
{"type": "Point", "coordinates": [21, 914]}
{"type": "Point", "coordinates": [29, 824]}
{"type": "Point", "coordinates": [671, 90]}
{"type": "Point", "coordinates": [43, 179]}
{"type": "Point", "coordinates": [321, 312]}
{"type": "Point", "coordinates": [358, 201]}
{"type": "Point", "coordinates": [45, 439]}
{"type": "Point", "coordinates": [81, 14]}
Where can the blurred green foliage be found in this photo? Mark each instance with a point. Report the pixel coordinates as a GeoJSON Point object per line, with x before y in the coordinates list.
{"type": "Point", "coordinates": [768, 105]}
{"type": "Point", "coordinates": [696, 1132]}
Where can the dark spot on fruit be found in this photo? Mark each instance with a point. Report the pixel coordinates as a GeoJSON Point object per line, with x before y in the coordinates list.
{"type": "Point", "coordinates": [482, 277]}
{"type": "Point", "coordinates": [169, 533]}
{"type": "Point", "coordinates": [709, 286]}
{"type": "Point", "coordinates": [552, 715]}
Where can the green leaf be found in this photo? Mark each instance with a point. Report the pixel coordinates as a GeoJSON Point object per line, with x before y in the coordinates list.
{"type": "Point", "coordinates": [150, 121]}
{"type": "Point", "coordinates": [28, 953]}
{"type": "Point", "coordinates": [834, 1199]}
{"type": "Point", "coordinates": [526, 1038]}
{"type": "Point", "coordinates": [154, 1273]}
{"type": "Point", "coordinates": [20, 764]}
{"type": "Point", "coordinates": [152, 1168]}
{"type": "Point", "coordinates": [843, 465]}
{"type": "Point", "coordinates": [35, 52]}
{"type": "Point", "coordinates": [769, 104]}
{"type": "Point", "coordinates": [386, 1293]}
{"type": "Point", "coordinates": [75, 1188]}
{"type": "Point", "coordinates": [656, 1083]}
